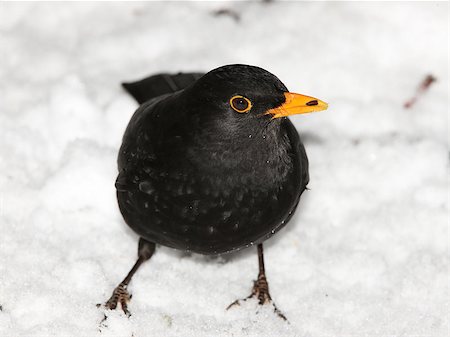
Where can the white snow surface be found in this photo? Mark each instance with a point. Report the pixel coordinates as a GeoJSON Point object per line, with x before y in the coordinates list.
{"type": "Point", "coordinates": [367, 251]}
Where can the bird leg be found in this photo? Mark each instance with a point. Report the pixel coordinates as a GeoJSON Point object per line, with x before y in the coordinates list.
{"type": "Point", "coordinates": [260, 289]}
{"type": "Point", "coordinates": [120, 293]}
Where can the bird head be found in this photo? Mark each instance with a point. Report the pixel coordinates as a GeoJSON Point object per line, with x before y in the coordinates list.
{"type": "Point", "coordinates": [242, 92]}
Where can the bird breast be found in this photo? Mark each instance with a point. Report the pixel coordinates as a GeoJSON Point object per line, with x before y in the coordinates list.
{"type": "Point", "coordinates": [212, 197]}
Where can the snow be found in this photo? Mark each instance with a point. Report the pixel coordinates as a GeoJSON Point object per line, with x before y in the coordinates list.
{"type": "Point", "coordinates": [365, 255]}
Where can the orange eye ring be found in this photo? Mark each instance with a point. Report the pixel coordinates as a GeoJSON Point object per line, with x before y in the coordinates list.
{"type": "Point", "coordinates": [240, 104]}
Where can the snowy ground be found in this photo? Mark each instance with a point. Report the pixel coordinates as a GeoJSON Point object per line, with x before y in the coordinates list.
{"type": "Point", "coordinates": [366, 255]}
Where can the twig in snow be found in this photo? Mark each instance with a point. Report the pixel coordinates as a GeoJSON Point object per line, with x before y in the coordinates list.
{"type": "Point", "coordinates": [424, 86]}
{"type": "Point", "coordinates": [227, 12]}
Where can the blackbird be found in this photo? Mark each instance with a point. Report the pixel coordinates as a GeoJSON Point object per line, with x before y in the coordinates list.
{"type": "Point", "coordinates": [211, 164]}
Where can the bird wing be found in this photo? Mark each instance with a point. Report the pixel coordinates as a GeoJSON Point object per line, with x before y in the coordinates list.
{"type": "Point", "coordinates": [300, 159]}
{"type": "Point", "coordinates": [148, 121]}
{"type": "Point", "coordinates": [146, 129]}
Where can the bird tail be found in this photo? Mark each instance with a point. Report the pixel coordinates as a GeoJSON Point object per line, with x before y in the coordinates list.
{"type": "Point", "coordinates": [159, 84]}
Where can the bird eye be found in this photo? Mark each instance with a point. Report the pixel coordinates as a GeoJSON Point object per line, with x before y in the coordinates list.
{"type": "Point", "coordinates": [240, 104]}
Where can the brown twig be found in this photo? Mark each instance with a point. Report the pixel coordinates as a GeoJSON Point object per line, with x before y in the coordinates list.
{"type": "Point", "coordinates": [227, 12]}
{"type": "Point", "coordinates": [424, 86]}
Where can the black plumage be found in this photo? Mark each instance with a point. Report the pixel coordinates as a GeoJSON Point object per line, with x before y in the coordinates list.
{"type": "Point", "coordinates": [195, 175]}
{"type": "Point", "coordinates": [211, 164]}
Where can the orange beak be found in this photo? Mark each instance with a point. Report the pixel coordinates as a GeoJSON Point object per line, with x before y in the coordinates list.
{"type": "Point", "coordinates": [297, 104]}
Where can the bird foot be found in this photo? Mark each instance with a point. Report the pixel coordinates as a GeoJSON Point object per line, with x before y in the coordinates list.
{"type": "Point", "coordinates": [260, 291]}
{"type": "Point", "coordinates": [119, 295]}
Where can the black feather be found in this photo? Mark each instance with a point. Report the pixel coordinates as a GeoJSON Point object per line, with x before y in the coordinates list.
{"type": "Point", "coordinates": [157, 85]}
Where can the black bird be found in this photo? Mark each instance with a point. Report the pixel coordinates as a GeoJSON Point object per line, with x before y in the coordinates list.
{"type": "Point", "coordinates": [211, 164]}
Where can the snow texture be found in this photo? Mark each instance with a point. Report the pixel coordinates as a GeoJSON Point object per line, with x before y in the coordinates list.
{"type": "Point", "coordinates": [365, 255]}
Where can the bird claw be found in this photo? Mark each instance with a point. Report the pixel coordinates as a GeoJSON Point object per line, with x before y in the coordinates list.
{"type": "Point", "coordinates": [260, 291]}
{"type": "Point", "coordinates": [119, 295]}
{"type": "Point", "coordinates": [237, 302]}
